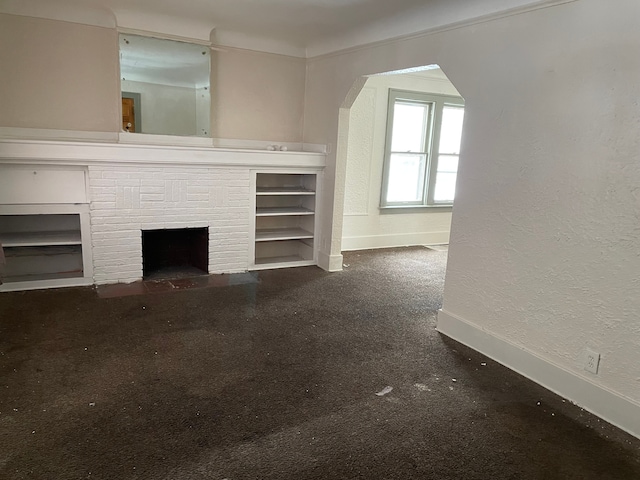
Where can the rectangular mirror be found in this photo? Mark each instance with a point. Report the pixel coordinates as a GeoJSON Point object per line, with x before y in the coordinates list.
{"type": "Point", "coordinates": [165, 86]}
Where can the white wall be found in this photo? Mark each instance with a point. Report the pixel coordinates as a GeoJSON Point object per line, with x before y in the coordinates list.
{"type": "Point", "coordinates": [257, 96]}
{"type": "Point", "coordinates": [128, 199]}
{"type": "Point", "coordinates": [365, 225]}
{"type": "Point", "coordinates": [545, 235]}
{"type": "Point", "coordinates": [73, 70]}
{"type": "Point", "coordinates": [165, 109]}
{"type": "Point", "coordinates": [58, 75]}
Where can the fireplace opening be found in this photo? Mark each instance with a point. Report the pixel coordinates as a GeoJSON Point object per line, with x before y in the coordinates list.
{"type": "Point", "coordinates": [175, 253]}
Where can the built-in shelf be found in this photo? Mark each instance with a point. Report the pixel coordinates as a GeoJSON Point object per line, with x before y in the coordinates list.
{"type": "Point", "coordinates": [43, 249]}
{"type": "Point", "coordinates": [287, 261]}
{"type": "Point", "coordinates": [35, 239]}
{"type": "Point", "coordinates": [43, 276]}
{"type": "Point", "coordinates": [282, 211]}
{"type": "Point", "coordinates": [273, 234]}
{"type": "Point", "coordinates": [285, 220]}
{"type": "Point", "coordinates": [283, 191]}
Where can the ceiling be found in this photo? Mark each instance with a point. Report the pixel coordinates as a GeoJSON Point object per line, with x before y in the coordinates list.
{"type": "Point", "coordinates": [297, 21]}
{"type": "Point", "coordinates": [303, 24]}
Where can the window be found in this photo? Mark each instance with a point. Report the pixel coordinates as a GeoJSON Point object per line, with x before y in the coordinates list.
{"type": "Point", "coordinates": [424, 133]}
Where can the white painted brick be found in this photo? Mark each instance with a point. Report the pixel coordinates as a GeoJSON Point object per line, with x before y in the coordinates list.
{"type": "Point", "coordinates": [194, 189]}
{"type": "Point", "coordinates": [100, 182]}
{"type": "Point", "coordinates": [102, 190]}
{"type": "Point", "coordinates": [111, 227]}
{"type": "Point", "coordinates": [101, 250]}
{"type": "Point", "coordinates": [146, 197]}
{"type": "Point", "coordinates": [115, 174]}
{"type": "Point", "coordinates": [127, 199]}
{"type": "Point", "coordinates": [191, 197]}
{"type": "Point", "coordinates": [124, 234]}
{"type": "Point", "coordinates": [152, 189]}
{"type": "Point", "coordinates": [102, 205]}
{"type": "Point", "coordinates": [151, 182]}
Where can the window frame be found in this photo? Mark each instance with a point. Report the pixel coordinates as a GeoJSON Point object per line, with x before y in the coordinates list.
{"type": "Point", "coordinates": [437, 103]}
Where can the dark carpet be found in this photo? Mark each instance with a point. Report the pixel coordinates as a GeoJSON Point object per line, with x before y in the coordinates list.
{"type": "Point", "coordinates": [278, 380]}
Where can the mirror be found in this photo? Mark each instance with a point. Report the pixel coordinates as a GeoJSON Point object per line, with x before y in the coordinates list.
{"type": "Point", "coordinates": [165, 86]}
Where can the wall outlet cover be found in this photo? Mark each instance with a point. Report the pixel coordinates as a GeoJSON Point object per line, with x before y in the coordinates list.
{"type": "Point", "coordinates": [591, 361]}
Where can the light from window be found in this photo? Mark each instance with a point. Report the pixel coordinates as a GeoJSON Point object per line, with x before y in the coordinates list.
{"type": "Point", "coordinates": [448, 153]}
{"type": "Point", "coordinates": [424, 133]}
{"type": "Point", "coordinates": [408, 159]}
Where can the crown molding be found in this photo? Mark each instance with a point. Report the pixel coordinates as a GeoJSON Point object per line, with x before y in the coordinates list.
{"type": "Point", "coordinates": [323, 50]}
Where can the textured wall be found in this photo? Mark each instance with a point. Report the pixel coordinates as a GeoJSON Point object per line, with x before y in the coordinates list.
{"type": "Point", "coordinates": [545, 234]}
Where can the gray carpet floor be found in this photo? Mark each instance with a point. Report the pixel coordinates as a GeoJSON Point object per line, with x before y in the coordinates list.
{"type": "Point", "coordinates": [281, 377]}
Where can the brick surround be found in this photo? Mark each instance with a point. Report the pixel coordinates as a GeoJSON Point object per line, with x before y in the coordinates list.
{"type": "Point", "coordinates": [128, 199]}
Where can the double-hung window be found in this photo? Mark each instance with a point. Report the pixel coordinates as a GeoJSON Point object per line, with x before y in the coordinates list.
{"type": "Point", "coordinates": [424, 133]}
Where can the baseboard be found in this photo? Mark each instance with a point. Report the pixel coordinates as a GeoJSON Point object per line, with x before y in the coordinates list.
{"type": "Point", "coordinates": [330, 263]}
{"type": "Point", "coordinates": [394, 240]}
{"type": "Point", "coordinates": [606, 404]}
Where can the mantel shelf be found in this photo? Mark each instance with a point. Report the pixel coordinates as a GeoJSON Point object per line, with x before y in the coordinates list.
{"type": "Point", "coordinates": [40, 239]}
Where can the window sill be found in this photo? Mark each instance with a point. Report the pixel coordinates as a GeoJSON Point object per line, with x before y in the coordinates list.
{"type": "Point", "coordinates": [416, 208]}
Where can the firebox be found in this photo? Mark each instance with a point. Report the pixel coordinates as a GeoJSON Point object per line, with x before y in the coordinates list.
{"type": "Point", "coordinates": [175, 253]}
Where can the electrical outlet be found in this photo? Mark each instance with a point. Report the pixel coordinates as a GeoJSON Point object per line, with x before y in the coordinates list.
{"type": "Point", "coordinates": [591, 361]}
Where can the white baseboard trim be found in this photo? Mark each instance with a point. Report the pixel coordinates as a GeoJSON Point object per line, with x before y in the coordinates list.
{"type": "Point", "coordinates": [330, 263]}
{"type": "Point", "coordinates": [369, 242]}
{"type": "Point", "coordinates": [606, 404]}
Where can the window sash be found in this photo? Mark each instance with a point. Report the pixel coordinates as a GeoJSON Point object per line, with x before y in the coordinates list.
{"type": "Point", "coordinates": [431, 192]}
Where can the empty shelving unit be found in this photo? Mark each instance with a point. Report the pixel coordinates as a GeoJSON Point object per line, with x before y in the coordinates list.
{"type": "Point", "coordinates": [44, 227]}
{"type": "Point", "coordinates": [285, 221]}
{"type": "Point", "coordinates": [42, 250]}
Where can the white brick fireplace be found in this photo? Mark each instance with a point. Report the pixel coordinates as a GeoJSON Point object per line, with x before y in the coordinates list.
{"type": "Point", "coordinates": [128, 189]}
{"type": "Point", "coordinates": [128, 199]}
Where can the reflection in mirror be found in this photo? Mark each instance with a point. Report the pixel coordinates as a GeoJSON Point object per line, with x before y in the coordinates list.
{"type": "Point", "coordinates": [165, 86]}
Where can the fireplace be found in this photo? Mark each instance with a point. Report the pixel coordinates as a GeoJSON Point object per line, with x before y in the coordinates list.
{"type": "Point", "coordinates": [175, 253]}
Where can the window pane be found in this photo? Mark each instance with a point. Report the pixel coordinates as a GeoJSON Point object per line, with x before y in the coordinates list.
{"type": "Point", "coordinates": [409, 127]}
{"type": "Point", "coordinates": [406, 178]}
{"type": "Point", "coordinates": [451, 130]}
{"type": "Point", "coordinates": [445, 187]}
{"type": "Point", "coordinates": [448, 163]}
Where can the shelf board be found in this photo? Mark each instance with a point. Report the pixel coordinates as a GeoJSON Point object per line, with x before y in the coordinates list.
{"type": "Point", "coordinates": [282, 211]}
{"type": "Point", "coordinates": [283, 191]}
{"type": "Point", "coordinates": [271, 234]}
{"type": "Point", "coordinates": [43, 276]}
{"type": "Point", "coordinates": [40, 239]}
{"type": "Point", "coordinates": [281, 262]}
{"type": "Point", "coordinates": [35, 283]}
